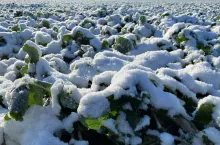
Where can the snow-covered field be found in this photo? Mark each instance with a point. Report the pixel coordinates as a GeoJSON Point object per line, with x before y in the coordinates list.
{"type": "Point", "coordinates": [109, 73]}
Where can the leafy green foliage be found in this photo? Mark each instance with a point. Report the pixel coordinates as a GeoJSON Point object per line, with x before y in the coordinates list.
{"type": "Point", "coordinates": [32, 52]}
{"type": "Point", "coordinates": [206, 49]}
{"type": "Point", "coordinates": [142, 20]}
{"type": "Point", "coordinates": [105, 44]}
{"type": "Point", "coordinates": [55, 29]}
{"type": "Point", "coordinates": [66, 100]}
{"type": "Point", "coordinates": [94, 124]}
{"type": "Point", "coordinates": [7, 118]}
{"type": "Point", "coordinates": [123, 45]}
{"type": "Point", "coordinates": [26, 95]}
{"type": "Point", "coordinates": [179, 40]}
{"type": "Point", "coordinates": [216, 18]}
{"type": "Point", "coordinates": [80, 38]}
{"type": "Point", "coordinates": [86, 22]}
{"type": "Point", "coordinates": [132, 116]}
{"type": "Point", "coordinates": [16, 28]}
{"type": "Point", "coordinates": [45, 23]}
{"type": "Point", "coordinates": [93, 137]}
{"type": "Point", "coordinates": [67, 37]}
{"type": "Point", "coordinates": [204, 114]}
{"type": "Point", "coordinates": [24, 69]}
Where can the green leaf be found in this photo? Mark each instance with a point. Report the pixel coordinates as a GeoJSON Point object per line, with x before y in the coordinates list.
{"type": "Point", "coordinates": [204, 114]}
{"type": "Point", "coordinates": [112, 114]}
{"type": "Point", "coordinates": [206, 49]}
{"type": "Point", "coordinates": [35, 99]}
{"type": "Point", "coordinates": [19, 103]}
{"type": "Point", "coordinates": [94, 124]}
{"type": "Point", "coordinates": [26, 95]}
{"type": "Point", "coordinates": [216, 18]}
{"type": "Point", "coordinates": [67, 37]}
{"type": "Point", "coordinates": [80, 38]}
{"type": "Point", "coordinates": [7, 118]}
{"type": "Point", "coordinates": [45, 23]}
{"type": "Point", "coordinates": [66, 100]}
{"type": "Point", "coordinates": [55, 29]}
{"type": "Point", "coordinates": [179, 40]}
{"type": "Point", "coordinates": [24, 69]}
{"type": "Point", "coordinates": [105, 44]}
{"type": "Point", "coordinates": [16, 28]}
{"type": "Point", "coordinates": [142, 20]}
{"type": "Point", "coordinates": [32, 52]}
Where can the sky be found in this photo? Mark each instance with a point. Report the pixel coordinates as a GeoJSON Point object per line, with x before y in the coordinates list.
{"type": "Point", "coordinates": [58, 1]}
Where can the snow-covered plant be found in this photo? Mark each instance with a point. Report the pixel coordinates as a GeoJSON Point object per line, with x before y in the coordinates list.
{"type": "Point", "coordinates": [131, 73]}
{"type": "Point", "coordinates": [123, 45]}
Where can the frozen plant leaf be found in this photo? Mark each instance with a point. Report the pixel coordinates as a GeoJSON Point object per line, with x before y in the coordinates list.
{"type": "Point", "coordinates": [32, 52]}
{"type": "Point", "coordinates": [55, 29]}
{"type": "Point", "coordinates": [24, 69]}
{"type": "Point", "coordinates": [105, 44]}
{"type": "Point", "coordinates": [66, 100]}
{"type": "Point", "coordinates": [123, 45]}
{"type": "Point", "coordinates": [142, 20]}
{"type": "Point", "coordinates": [216, 18]}
{"type": "Point", "coordinates": [206, 49]}
{"type": "Point", "coordinates": [94, 124]}
{"type": "Point", "coordinates": [16, 28]}
{"type": "Point", "coordinates": [19, 103]}
{"type": "Point", "coordinates": [204, 114]}
{"type": "Point", "coordinates": [26, 95]}
{"type": "Point", "coordinates": [6, 118]}
{"type": "Point", "coordinates": [67, 37]}
{"type": "Point", "coordinates": [80, 38]}
{"type": "Point", "coordinates": [45, 23]}
{"type": "Point", "coordinates": [179, 40]}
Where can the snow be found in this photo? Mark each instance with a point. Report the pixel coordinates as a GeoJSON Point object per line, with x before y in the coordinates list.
{"type": "Point", "coordinates": [35, 127]}
{"type": "Point", "coordinates": [143, 122]}
{"type": "Point", "coordinates": [93, 105]}
{"type": "Point", "coordinates": [173, 61]}
{"type": "Point", "coordinates": [68, 121]}
{"type": "Point", "coordinates": [166, 139]}
{"type": "Point", "coordinates": [110, 123]}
